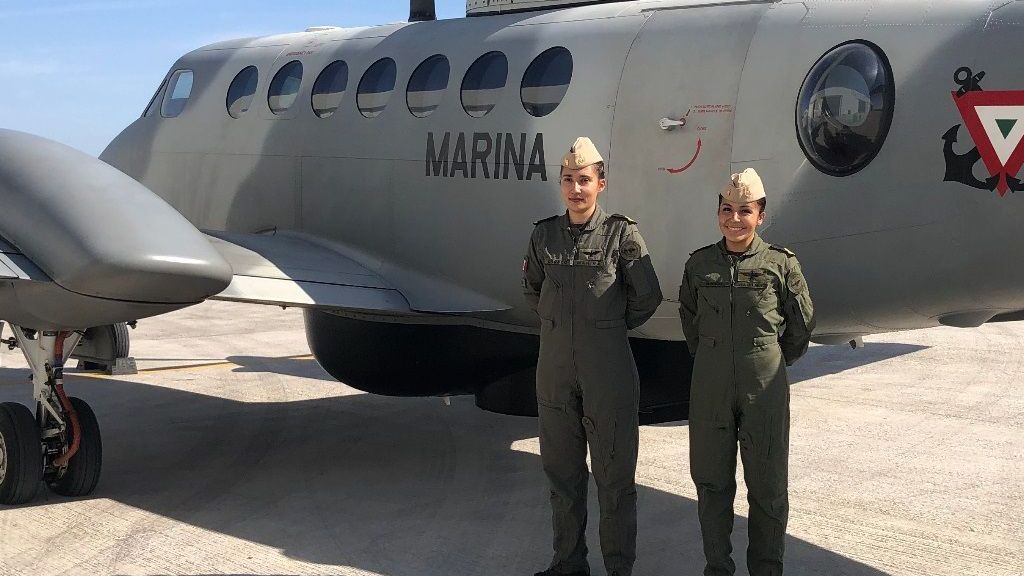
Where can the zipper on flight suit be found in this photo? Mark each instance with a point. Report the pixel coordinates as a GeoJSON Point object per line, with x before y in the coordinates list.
{"type": "Point", "coordinates": [577, 235]}
{"type": "Point", "coordinates": [734, 262]}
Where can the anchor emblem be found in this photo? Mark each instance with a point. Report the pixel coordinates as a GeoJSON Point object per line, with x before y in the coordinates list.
{"type": "Point", "coordinates": [1002, 163]}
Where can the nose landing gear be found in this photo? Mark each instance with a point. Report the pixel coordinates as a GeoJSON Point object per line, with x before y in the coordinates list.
{"type": "Point", "coordinates": [61, 444]}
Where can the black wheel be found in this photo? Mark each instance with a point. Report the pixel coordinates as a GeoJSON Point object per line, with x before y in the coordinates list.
{"type": "Point", "coordinates": [83, 471]}
{"type": "Point", "coordinates": [122, 340]}
{"type": "Point", "coordinates": [102, 346]}
{"type": "Point", "coordinates": [21, 454]}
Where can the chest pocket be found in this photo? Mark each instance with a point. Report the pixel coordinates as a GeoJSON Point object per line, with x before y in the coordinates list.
{"type": "Point", "coordinates": [756, 293]}
{"type": "Point", "coordinates": [712, 298]}
{"type": "Point", "coordinates": [604, 295]}
{"type": "Point", "coordinates": [556, 270]}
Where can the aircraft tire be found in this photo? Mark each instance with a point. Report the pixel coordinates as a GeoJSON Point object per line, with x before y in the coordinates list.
{"type": "Point", "coordinates": [83, 472]}
{"type": "Point", "coordinates": [122, 340]}
{"type": "Point", "coordinates": [21, 454]}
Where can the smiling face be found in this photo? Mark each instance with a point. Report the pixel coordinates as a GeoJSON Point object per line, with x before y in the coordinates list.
{"type": "Point", "coordinates": [580, 189]}
{"type": "Point", "coordinates": [738, 223]}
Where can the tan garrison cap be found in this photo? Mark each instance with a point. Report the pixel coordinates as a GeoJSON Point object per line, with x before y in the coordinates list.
{"type": "Point", "coordinates": [582, 154]}
{"type": "Point", "coordinates": [744, 187]}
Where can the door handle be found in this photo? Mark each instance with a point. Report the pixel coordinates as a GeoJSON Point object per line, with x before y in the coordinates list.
{"type": "Point", "coordinates": [670, 124]}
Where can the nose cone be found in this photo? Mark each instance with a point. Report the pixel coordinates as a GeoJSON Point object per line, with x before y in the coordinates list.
{"type": "Point", "coordinates": [96, 231]}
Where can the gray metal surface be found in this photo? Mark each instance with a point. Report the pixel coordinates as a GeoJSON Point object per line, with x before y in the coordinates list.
{"type": "Point", "coordinates": [362, 183]}
{"type": "Point", "coordinates": [7, 248]}
{"type": "Point", "coordinates": [96, 232]}
{"type": "Point", "coordinates": [283, 269]}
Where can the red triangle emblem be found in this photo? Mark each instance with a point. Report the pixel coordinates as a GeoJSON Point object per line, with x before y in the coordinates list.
{"type": "Point", "coordinates": [967, 104]}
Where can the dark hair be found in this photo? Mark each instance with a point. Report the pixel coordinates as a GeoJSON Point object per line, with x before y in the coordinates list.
{"type": "Point", "coordinates": [762, 202]}
{"type": "Point", "coordinates": [598, 167]}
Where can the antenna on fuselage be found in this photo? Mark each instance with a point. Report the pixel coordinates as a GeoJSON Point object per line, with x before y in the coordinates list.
{"type": "Point", "coordinates": [421, 11]}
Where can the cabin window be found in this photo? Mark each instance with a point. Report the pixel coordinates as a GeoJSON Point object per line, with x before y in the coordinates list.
{"type": "Point", "coordinates": [845, 108]}
{"type": "Point", "coordinates": [546, 81]}
{"type": "Point", "coordinates": [329, 88]}
{"type": "Point", "coordinates": [179, 88]}
{"type": "Point", "coordinates": [427, 86]}
{"type": "Point", "coordinates": [483, 84]}
{"type": "Point", "coordinates": [241, 91]}
{"type": "Point", "coordinates": [375, 87]}
{"type": "Point", "coordinates": [285, 87]}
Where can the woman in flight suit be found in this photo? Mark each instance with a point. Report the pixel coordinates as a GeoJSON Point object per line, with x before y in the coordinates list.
{"type": "Point", "coordinates": [589, 277]}
{"type": "Point", "coordinates": [746, 314]}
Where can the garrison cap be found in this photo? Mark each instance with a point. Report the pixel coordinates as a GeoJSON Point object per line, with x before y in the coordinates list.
{"type": "Point", "coordinates": [744, 187]}
{"type": "Point", "coordinates": [583, 153]}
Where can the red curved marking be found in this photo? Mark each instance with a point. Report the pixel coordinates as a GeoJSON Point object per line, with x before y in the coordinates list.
{"type": "Point", "coordinates": [688, 164]}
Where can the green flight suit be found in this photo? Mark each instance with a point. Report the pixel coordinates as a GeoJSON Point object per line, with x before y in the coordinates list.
{"type": "Point", "coordinates": [589, 286]}
{"type": "Point", "coordinates": [745, 317]}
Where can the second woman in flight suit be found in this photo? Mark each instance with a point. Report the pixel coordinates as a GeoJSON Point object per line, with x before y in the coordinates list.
{"type": "Point", "coordinates": [746, 315]}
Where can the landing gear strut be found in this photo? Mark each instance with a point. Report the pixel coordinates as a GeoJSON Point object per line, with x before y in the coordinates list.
{"type": "Point", "coordinates": [61, 444]}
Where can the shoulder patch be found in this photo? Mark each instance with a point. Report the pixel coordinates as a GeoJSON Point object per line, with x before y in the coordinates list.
{"type": "Point", "coordinates": [546, 219]}
{"type": "Point", "coordinates": [630, 250]}
{"type": "Point", "coordinates": [704, 248]}
{"type": "Point", "coordinates": [626, 218]}
{"type": "Point", "coordinates": [795, 282]}
{"type": "Point", "coordinates": [785, 251]}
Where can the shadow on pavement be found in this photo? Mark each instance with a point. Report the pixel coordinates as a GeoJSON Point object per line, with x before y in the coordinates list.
{"type": "Point", "coordinates": [396, 486]}
{"type": "Point", "coordinates": [825, 360]}
{"type": "Point", "coordinates": [304, 366]}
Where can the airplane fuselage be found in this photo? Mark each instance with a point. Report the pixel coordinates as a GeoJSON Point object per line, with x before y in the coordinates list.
{"type": "Point", "coordinates": [451, 194]}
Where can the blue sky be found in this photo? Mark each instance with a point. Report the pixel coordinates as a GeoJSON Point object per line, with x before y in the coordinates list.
{"type": "Point", "coordinates": [80, 71]}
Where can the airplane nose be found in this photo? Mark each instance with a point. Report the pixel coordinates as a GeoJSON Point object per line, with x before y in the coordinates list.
{"type": "Point", "coordinates": [95, 231]}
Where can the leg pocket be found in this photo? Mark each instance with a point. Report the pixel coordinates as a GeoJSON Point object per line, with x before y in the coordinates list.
{"type": "Point", "coordinates": [614, 444]}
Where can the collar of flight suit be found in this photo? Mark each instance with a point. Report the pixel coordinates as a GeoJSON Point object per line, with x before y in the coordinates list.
{"type": "Point", "coordinates": [756, 247]}
{"type": "Point", "coordinates": [596, 219]}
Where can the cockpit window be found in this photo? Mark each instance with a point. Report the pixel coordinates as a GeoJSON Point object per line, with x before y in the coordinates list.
{"type": "Point", "coordinates": [285, 87]}
{"type": "Point", "coordinates": [483, 84]}
{"type": "Point", "coordinates": [427, 86]}
{"type": "Point", "coordinates": [241, 91]}
{"type": "Point", "coordinates": [845, 108]}
{"type": "Point", "coordinates": [329, 88]}
{"type": "Point", "coordinates": [179, 88]}
{"type": "Point", "coordinates": [375, 87]}
{"type": "Point", "coordinates": [546, 81]}
{"type": "Point", "coordinates": [151, 107]}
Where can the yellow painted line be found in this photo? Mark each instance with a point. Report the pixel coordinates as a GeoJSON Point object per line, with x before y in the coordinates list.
{"type": "Point", "coordinates": [183, 367]}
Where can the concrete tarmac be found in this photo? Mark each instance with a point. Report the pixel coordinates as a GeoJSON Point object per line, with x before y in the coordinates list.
{"type": "Point", "coordinates": [232, 452]}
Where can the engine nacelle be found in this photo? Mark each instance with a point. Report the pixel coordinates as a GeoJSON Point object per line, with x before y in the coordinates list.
{"type": "Point", "coordinates": [85, 245]}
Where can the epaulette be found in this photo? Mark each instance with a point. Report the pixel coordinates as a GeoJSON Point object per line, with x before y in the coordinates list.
{"type": "Point", "coordinates": [626, 218]}
{"type": "Point", "coordinates": [546, 219]}
{"type": "Point", "coordinates": [785, 251]}
{"type": "Point", "coordinates": [704, 248]}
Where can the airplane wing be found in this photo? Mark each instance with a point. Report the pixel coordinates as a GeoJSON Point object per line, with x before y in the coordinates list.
{"type": "Point", "coordinates": [288, 270]}
{"type": "Point", "coordinates": [15, 266]}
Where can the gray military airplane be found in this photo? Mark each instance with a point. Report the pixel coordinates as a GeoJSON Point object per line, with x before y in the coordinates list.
{"type": "Point", "coordinates": [385, 178]}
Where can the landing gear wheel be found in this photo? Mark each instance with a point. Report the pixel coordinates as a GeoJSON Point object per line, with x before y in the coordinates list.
{"type": "Point", "coordinates": [83, 471]}
{"type": "Point", "coordinates": [21, 454]}
{"type": "Point", "coordinates": [115, 336]}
